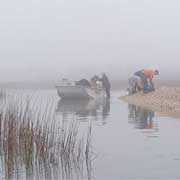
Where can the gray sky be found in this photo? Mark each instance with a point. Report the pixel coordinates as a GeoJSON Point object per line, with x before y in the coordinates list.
{"type": "Point", "coordinates": [48, 39]}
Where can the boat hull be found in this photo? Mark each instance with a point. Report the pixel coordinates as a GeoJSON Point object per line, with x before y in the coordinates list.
{"type": "Point", "coordinates": [78, 92]}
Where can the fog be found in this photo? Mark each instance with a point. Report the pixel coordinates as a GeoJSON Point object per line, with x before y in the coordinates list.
{"type": "Point", "coordinates": [48, 39]}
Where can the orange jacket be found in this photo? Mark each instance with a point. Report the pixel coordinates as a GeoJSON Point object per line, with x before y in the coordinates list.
{"type": "Point", "coordinates": [149, 73]}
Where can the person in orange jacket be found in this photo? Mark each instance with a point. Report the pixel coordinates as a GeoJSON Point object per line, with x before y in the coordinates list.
{"type": "Point", "coordinates": [147, 76]}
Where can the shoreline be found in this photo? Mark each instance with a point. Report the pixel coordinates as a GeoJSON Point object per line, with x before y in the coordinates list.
{"type": "Point", "coordinates": [164, 100]}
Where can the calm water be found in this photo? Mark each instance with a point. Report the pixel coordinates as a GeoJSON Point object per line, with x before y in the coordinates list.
{"type": "Point", "coordinates": [128, 142]}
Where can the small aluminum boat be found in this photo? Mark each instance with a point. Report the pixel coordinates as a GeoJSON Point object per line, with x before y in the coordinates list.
{"type": "Point", "coordinates": [69, 90]}
{"type": "Point", "coordinates": [79, 92]}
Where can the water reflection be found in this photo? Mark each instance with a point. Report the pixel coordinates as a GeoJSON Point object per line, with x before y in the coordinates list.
{"type": "Point", "coordinates": [97, 110]}
{"type": "Point", "coordinates": [141, 118]}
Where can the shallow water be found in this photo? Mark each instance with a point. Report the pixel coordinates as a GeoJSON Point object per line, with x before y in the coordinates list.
{"type": "Point", "coordinates": [128, 142]}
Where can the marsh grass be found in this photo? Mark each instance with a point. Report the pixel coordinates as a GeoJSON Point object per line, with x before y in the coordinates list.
{"type": "Point", "coordinates": [33, 145]}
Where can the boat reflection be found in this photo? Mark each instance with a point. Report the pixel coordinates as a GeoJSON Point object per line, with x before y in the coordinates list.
{"type": "Point", "coordinates": [142, 118]}
{"type": "Point", "coordinates": [84, 109]}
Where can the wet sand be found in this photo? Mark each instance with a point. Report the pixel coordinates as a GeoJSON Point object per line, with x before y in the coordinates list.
{"type": "Point", "coordinates": [165, 100]}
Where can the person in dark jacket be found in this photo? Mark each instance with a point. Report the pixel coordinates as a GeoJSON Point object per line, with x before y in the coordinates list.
{"type": "Point", "coordinates": [106, 85]}
{"type": "Point", "coordinates": [147, 76]}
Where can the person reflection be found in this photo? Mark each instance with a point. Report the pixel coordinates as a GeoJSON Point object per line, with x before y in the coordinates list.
{"type": "Point", "coordinates": [142, 118]}
{"type": "Point", "coordinates": [105, 111]}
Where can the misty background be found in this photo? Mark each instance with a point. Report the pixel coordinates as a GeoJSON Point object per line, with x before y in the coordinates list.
{"type": "Point", "coordinates": [46, 40]}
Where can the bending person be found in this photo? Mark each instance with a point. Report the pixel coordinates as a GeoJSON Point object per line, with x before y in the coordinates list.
{"type": "Point", "coordinates": [147, 76]}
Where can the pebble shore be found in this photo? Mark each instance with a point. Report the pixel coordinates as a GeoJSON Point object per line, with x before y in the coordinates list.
{"type": "Point", "coordinates": [164, 99]}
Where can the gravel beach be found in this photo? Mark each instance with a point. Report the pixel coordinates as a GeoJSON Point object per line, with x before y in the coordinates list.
{"type": "Point", "coordinates": [165, 100]}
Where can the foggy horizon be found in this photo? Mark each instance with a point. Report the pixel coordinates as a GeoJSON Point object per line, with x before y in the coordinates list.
{"type": "Point", "coordinates": [49, 40]}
